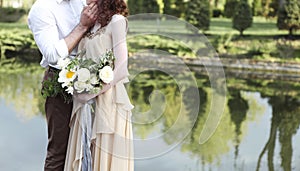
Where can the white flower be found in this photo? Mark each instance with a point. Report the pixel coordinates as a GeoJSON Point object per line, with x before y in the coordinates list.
{"type": "Point", "coordinates": [80, 86]}
{"type": "Point", "coordinates": [63, 62]}
{"type": "Point", "coordinates": [94, 80]}
{"type": "Point", "coordinates": [83, 74]}
{"type": "Point", "coordinates": [106, 74]}
{"type": "Point", "coordinates": [66, 77]}
{"type": "Point", "coordinates": [70, 90]}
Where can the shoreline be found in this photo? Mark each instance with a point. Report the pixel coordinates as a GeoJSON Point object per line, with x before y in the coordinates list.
{"type": "Point", "coordinates": [238, 68]}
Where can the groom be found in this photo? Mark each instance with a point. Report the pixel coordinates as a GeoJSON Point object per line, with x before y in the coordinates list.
{"type": "Point", "coordinates": [58, 26]}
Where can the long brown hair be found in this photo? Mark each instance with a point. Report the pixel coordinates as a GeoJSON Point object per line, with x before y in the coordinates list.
{"type": "Point", "coordinates": [107, 8]}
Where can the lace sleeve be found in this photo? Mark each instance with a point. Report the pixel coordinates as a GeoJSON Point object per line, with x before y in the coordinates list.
{"type": "Point", "coordinates": [119, 31]}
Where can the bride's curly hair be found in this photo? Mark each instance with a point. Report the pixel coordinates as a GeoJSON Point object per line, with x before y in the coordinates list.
{"type": "Point", "coordinates": [107, 8]}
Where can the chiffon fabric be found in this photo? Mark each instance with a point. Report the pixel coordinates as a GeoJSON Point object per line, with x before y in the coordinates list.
{"type": "Point", "coordinates": [110, 130]}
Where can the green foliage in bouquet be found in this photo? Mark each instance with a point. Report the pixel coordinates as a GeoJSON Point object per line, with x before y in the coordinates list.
{"type": "Point", "coordinates": [52, 88]}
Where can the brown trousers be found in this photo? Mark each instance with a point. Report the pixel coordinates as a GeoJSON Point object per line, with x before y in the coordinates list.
{"type": "Point", "coordinates": [58, 117]}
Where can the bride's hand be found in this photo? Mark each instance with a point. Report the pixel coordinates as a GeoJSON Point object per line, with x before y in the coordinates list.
{"type": "Point", "coordinates": [105, 88]}
{"type": "Point", "coordinates": [83, 98]}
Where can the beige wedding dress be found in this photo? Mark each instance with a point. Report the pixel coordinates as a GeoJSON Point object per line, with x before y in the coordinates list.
{"type": "Point", "coordinates": [111, 129]}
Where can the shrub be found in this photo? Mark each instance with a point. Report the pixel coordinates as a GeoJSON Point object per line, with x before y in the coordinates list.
{"type": "Point", "coordinates": [217, 13]}
{"type": "Point", "coordinates": [10, 14]}
{"type": "Point", "coordinates": [242, 18]}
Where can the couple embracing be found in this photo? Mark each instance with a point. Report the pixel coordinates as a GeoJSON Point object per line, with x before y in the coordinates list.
{"type": "Point", "coordinates": [63, 28]}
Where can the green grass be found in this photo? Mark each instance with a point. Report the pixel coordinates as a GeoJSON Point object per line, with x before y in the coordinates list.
{"type": "Point", "coordinates": [218, 26]}
{"type": "Point", "coordinates": [260, 26]}
{"type": "Point", "coordinates": [15, 26]}
{"type": "Point", "coordinates": [262, 41]}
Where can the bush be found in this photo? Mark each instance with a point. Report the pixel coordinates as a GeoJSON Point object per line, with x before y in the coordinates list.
{"type": "Point", "coordinates": [10, 14]}
{"type": "Point", "coordinates": [229, 8]}
{"type": "Point", "coordinates": [16, 43]}
{"type": "Point", "coordinates": [198, 14]}
{"type": "Point", "coordinates": [242, 18]}
{"type": "Point", "coordinates": [289, 16]}
{"type": "Point", "coordinates": [217, 13]}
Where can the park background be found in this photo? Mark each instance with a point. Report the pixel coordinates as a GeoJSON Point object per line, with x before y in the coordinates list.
{"type": "Point", "coordinates": [258, 44]}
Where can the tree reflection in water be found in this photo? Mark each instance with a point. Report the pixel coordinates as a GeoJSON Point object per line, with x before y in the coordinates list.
{"type": "Point", "coordinates": [22, 90]}
{"type": "Point", "coordinates": [284, 123]}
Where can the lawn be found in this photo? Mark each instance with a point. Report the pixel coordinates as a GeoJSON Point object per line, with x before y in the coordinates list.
{"type": "Point", "coordinates": [218, 26]}
{"type": "Point", "coordinates": [262, 41]}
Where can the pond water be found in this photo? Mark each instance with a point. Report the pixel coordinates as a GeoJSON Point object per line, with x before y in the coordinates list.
{"type": "Point", "coordinates": [258, 128]}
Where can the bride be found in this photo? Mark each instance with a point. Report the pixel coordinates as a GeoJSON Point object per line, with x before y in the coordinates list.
{"type": "Point", "coordinates": [101, 139]}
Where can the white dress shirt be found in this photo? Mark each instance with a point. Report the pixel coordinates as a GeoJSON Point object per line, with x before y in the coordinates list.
{"type": "Point", "coordinates": [50, 22]}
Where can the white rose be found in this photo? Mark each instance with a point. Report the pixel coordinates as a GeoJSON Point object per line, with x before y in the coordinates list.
{"type": "Point", "coordinates": [80, 86]}
{"type": "Point", "coordinates": [94, 80]}
{"type": "Point", "coordinates": [83, 74]}
{"type": "Point", "coordinates": [106, 74]}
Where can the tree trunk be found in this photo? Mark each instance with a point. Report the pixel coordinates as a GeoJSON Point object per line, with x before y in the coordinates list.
{"type": "Point", "coordinates": [242, 33]}
{"type": "Point", "coordinates": [291, 32]}
{"type": "Point", "coordinates": [1, 3]}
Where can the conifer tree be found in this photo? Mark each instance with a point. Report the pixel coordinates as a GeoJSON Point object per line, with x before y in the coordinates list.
{"type": "Point", "coordinates": [242, 18]}
{"type": "Point", "coordinates": [229, 8]}
{"type": "Point", "coordinates": [198, 13]}
{"type": "Point", "coordinates": [135, 6]}
{"type": "Point", "coordinates": [289, 16]}
{"type": "Point", "coordinates": [150, 6]}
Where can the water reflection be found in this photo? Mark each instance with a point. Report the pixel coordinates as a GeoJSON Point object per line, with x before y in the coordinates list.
{"type": "Point", "coordinates": [259, 129]}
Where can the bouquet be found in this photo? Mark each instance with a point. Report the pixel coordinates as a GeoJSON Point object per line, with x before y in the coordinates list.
{"type": "Point", "coordinates": [84, 75]}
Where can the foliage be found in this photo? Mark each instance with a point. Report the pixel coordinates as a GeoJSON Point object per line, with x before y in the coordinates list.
{"type": "Point", "coordinates": [18, 41]}
{"type": "Point", "coordinates": [52, 88]}
{"type": "Point", "coordinates": [229, 8]}
{"type": "Point", "coordinates": [289, 16]}
{"type": "Point", "coordinates": [135, 6]}
{"type": "Point", "coordinates": [257, 8]}
{"type": "Point", "coordinates": [10, 14]}
{"type": "Point", "coordinates": [158, 43]}
{"type": "Point", "coordinates": [150, 6]}
{"type": "Point", "coordinates": [20, 87]}
{"type": "Point", "coordinates": [198, 14]}
{"type": "Point", "coordinates": [242, 18]}
{"type": "Point", "coordinates": [180, 8]}
{"type": "Point", "coordinates": [168, 7]}
{"type": "Point", "coordinates": [217, 12]}
{"type": "Point", "coordinates": [273, 9]}
{"type": "Point", "coordinates": [143, 6]}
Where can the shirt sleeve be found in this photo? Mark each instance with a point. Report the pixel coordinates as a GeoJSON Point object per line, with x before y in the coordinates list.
{"type": "Point", "coordinates": [43, 25]}
{"type": "Point", "coordinates": [119, 31]}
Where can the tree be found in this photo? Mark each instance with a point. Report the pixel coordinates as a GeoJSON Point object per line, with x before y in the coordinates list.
{"type": "Point", "coordinates": [179, 8]}
{"type": "Point", "coordinates": [229, 8]}
{"type": "Point", "coordinates": [135, 6]}
{"type": "Point", "coordinates": [242, 18]}
{"type": "Point", "coordinates": [198, 14]}
{"type": "Point", "coordinates": [289, 16]}
{"type": "Point", "coordinates": [150, 6]}
{"type": "Point", "coordinates": [257, 7]}
{"type": "Point", "coordinates": [167, 7]}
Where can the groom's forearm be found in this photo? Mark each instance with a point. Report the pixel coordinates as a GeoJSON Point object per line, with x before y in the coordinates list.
{"type": "Point", "coordinates": [75, 36]}
{"type": "Point", "coordinates": [87, 19]}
